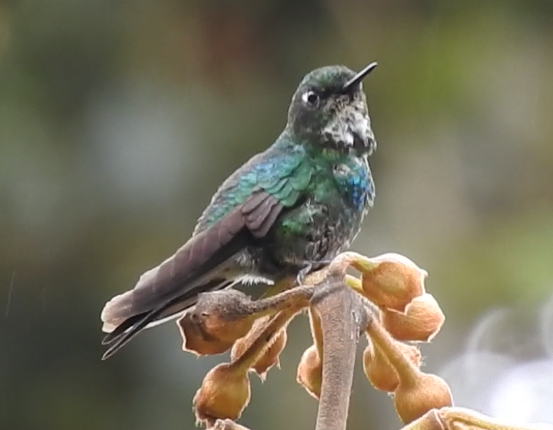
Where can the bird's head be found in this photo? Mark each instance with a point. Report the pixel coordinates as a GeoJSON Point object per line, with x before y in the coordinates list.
{"type": "Point", "coordinates": [329, 108]}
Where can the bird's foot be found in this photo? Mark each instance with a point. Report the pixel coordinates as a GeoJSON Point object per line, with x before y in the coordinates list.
{"type": "Point", "coordinates": [310, 266]}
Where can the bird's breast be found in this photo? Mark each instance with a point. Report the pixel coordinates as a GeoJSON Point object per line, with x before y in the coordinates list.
{"type": "Point", "coordinates": [354, 180]}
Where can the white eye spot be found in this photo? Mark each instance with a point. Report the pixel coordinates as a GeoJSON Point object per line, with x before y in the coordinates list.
{"type": "Point", "coordinates": [310, 98]}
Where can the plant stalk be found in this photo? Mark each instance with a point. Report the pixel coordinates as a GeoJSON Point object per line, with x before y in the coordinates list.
{"type": "Point", "coordinates": [342, 316]}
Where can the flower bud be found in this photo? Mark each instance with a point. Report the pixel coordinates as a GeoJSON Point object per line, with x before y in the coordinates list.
{"type": "Point", "coordinates": [217, 321]}
{"type": "Point", "coordinates": [415, 396]}
{"type": "Point", "coordinates": [310, 371]}
{"type": "Point", "coordinates": [391, 280]}
{"type": "Point", "coordinates": [380, 373]}
{"type": "Point", "coordinates": [421, 320]}
{"type": "Point", "coordinates": [224, 393]}
{"type": "Point", "coordinates": [195, 340]}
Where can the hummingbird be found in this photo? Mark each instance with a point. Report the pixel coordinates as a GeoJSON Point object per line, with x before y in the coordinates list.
{"type": "Point", "coordinates": [287, 211]}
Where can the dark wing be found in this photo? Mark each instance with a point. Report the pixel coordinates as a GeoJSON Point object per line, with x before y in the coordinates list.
{"type": "Point", "coordinates": [196, 267]}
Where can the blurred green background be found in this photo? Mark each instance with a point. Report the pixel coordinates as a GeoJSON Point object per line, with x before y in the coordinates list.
{"type": "Point", "coordinates": [118, 120]}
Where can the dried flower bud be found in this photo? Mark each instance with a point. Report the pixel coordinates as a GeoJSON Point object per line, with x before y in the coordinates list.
{"type": "Point", "coordinates": [391, 280]}
{"type": "Point", "coordinates": [270, 357]}
{"type": "Point", "coordinates": [217, 321]}
{"type": "Point", "coordinates": [380, 373]}
{"type": "Point", "coordinates": [225, 314]}
{"type": "Point", "coordinates": [310, 371]}
{"type": "Point", "coordinates": [421, 320]}
{"type": "Point", "coordinates": [224, 393]}
{"type": "Point", "coordinates": [417, 395]}
{"type": "Point", "coordinates": [198, 342]}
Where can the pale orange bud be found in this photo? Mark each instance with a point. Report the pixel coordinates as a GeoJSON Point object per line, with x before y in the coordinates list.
{"type": "Point", "coordinates": [310, 371]}
{"type": "Point", "coordinates": [380, 373]}
{"type": "Point", "coordinates": [417, 395]}
{"type": "Point", "coordinates": [217, 321]}
{"type": "Point", "coordinates": [391, 280]}
{"type": "Point", "coordinates": [270, 357]}
{"type": "Point", "coordinates": [224, 393]}
{"type": "Point", "coordinates": [421, 320]}
{"type": "Point", "coordinates": [195, 340]}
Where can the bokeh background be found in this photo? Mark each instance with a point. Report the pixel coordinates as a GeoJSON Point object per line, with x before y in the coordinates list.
{"type": "Point", "coordinates": [118, 120]}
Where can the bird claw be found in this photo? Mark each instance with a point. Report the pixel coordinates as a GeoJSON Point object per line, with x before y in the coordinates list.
{"type": "Point", "coordinates": [303, 273]}
{"type": "Point", "coordinates": [310, 267]}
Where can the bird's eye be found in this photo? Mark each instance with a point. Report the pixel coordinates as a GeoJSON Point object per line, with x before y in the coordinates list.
{"type": "Point", "coordinates": [311, 98]}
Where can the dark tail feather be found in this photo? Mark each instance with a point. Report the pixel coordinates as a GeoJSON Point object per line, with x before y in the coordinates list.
{"type": "Point", "coordinates": [199, 266]}
{"type": "Point", "coordinates": [169, 310]}
{"type": "Point", "coordinates": [134, 325]}
{"type": "Point", "coordinates": [122, 328]}
{"type": "Point", "coordinates": [137, 323]}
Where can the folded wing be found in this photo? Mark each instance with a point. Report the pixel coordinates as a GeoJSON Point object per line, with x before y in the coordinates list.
{"type": "Point", "coordinates": [200, 265]}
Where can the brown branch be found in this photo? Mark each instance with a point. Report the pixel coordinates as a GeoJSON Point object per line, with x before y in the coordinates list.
{"type": "Point", "coordinates": [275, 311]}
{"type": "Point", "coordinates": [262, 339]}
{"type": "Point", "coordinates": [342, 317]}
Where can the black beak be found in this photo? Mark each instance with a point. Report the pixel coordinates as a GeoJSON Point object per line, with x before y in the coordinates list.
{"type": "Point", "coordinates": [359, 77]}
